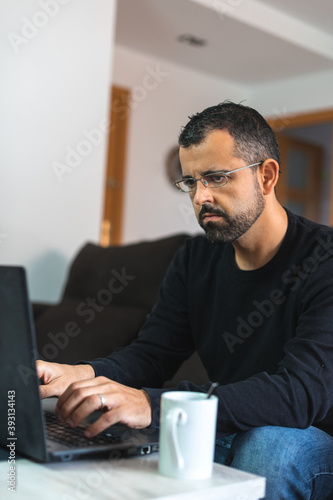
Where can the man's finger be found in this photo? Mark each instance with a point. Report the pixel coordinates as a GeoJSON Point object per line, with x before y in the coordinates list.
{"type": "Point", "coordinates": [49, 390]}
{"type": "Point", "coordinates": [77, 393]}
{"type": "Point", "coordinates": [110, 418]}
{"type": "Point", "coordinates": [87, 406]}
{"type": "Point", "coordinates": [97, 382]}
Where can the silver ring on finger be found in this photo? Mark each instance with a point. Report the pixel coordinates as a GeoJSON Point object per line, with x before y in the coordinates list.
{"type": "Point", "coordinates": [102, 398]}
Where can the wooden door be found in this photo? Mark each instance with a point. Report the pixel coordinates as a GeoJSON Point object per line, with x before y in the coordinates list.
{"type": "Point", "coordinates": [115, 171]}
{"type": "Point", "coordinates": [299, 185]}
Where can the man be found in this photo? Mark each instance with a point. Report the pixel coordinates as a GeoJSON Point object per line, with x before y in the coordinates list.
{"type": "Point", "coordinates": [255, 298]}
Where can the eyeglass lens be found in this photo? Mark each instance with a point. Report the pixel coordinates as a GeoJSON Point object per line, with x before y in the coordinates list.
{"type": "Point", "coordinates": [209, 180]}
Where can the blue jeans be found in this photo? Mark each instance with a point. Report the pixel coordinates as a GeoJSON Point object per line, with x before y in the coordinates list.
{"type": "Point", "coordinates": [297, 463]}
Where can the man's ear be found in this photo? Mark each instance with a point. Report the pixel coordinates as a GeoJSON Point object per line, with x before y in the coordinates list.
{"type": "Point", "coordinates": [268, 173]}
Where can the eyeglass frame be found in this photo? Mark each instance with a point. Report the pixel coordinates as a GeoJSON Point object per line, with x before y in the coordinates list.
{"type": "Point", "coordinates": [225, 174]}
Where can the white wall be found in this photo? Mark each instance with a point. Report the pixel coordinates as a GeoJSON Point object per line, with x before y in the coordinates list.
{"type": "Point", "coordinates": [163, 96]}
{"type": "Point", "coordinates": [293, 95]}
{"type": "Point", "coordinates": [55, 57]}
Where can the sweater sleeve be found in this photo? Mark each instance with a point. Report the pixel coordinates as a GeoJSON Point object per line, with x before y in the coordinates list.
{"type": "Point", "coordinates": [163, 342]}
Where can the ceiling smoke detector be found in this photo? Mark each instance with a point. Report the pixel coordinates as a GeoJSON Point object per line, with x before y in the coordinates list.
{"type": "Point", "coordinates": [192, 40]}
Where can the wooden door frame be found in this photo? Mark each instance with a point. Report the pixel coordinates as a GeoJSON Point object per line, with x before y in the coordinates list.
{"type": "Point", "coordinates": [309, 195]}
{"type": "Point", "coordinates": [115, 166]}
{"type": "Point", "coordinates": [282, 122]}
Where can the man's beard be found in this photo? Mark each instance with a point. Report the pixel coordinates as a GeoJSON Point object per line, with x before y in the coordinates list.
{"type": "Point", "coordinates": [231, 228]}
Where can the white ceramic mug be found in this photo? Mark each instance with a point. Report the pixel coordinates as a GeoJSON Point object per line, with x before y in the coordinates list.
{"type": "Point", "coordinates": [187, 434]}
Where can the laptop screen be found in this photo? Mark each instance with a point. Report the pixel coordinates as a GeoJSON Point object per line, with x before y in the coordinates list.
{"type": "Point", "coordinates": [21, 418]}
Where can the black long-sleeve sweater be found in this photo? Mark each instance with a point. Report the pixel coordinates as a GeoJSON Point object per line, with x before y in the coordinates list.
{"type": "Point", "coordinates": [265, 335]}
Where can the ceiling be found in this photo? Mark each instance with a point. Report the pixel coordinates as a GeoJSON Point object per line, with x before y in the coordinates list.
{"type": "Point", "coordinates": [247, 41]}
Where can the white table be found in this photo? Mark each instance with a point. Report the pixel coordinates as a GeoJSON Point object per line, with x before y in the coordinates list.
{"type": "Point", "coordinates": [134, 478]}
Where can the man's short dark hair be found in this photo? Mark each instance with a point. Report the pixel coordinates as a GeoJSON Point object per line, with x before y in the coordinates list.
{"type": "Point", "coordinates": [254, 139]}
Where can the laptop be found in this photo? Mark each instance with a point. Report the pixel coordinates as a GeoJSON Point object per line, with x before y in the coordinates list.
{"type": "Point", "coordinates": [29, 425]}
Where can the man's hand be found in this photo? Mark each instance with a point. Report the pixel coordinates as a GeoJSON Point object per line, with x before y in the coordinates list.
{"type": "Point", "coordinates": [122, 405]}
{"type": "Point", "coordinates": [56, 378]}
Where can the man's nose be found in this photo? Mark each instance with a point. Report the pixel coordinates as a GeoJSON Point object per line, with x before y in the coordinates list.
{"type": "Point", "coordinates": [202, 194]}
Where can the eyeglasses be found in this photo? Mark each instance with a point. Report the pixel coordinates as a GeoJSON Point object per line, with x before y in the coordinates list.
{"type": "Point", "coordinates": [214, 180]}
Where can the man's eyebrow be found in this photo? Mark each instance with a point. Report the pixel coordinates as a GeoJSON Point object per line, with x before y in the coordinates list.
{"type": "Point", "coordinates": [206, 172]}
{"type": "Point", "coordinates": [218, 171]}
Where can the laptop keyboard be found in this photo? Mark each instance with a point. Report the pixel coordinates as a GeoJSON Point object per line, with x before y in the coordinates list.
{"type": "Point", "coordinates": [61, 433]}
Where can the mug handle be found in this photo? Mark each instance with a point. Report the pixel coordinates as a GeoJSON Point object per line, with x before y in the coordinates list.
{"type": "Point", "coordinates": [178, 417]}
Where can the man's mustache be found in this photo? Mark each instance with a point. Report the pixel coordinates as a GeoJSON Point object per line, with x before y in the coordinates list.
{"type": "Point", "coordinates": [209, 209]}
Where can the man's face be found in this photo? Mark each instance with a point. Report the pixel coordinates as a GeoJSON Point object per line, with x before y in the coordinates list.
{"type": "Point", "coordinates": [226, 212]}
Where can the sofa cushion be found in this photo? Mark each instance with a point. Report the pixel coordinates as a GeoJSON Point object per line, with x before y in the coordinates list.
{"type": "Point", "coordinates": [66, 336]}
{"type": "Point", "coordinates": [127, 275]}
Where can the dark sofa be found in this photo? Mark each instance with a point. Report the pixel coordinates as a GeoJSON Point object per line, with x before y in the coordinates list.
{"type": "Point", "coordinates": [106, 299]}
